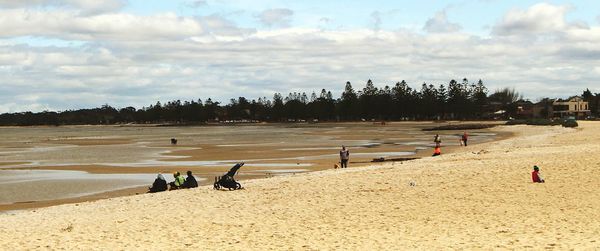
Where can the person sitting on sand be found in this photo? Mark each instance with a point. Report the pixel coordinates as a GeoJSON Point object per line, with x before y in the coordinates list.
{"type": "Point", "coordinates": [178, 183]}
{"type": "Point", "coordinates": [159, 185]}
{"type": "Point", "coordinates": [536, 176]}
{"type": "Point", "coordinates": [437, 151]}
{"type": "Point", "coordinates": [190, 181]}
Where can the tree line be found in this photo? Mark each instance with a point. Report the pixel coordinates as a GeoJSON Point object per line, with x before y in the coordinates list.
{"type": "Point", "coordinates": [455, 100]}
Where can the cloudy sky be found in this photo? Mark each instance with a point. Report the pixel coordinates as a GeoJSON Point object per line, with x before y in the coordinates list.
{"type": "Point", "coordinates": [71, 54]}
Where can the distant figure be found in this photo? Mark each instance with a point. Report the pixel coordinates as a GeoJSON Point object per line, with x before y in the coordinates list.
{"type": "Point", "coordinates": [437, 151]}
{"type": "Point", "coordinates": [536, 176]}
{"type": "Point", "coordinates": [438, 140]}
{"type": "Point", "coordinates": [190, 181]}
{"type": "Point", "coordinates": [344, 156]}
{"type": "Point", "coordinates": [178, 183]}
{"type": "Point", "coordinates": [159, 185]}
{"type": "Point", "coordinates": [173, 141]}
{"type": "Point", "coordinates": [464, 138]}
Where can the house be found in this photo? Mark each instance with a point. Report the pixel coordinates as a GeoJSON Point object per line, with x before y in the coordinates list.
{"type": "Point", "coordinates": [573, 106]}
{"type": "Point", "coordinates": [524, 109]}
{"type": "Point", "coordinates": [543, 109]}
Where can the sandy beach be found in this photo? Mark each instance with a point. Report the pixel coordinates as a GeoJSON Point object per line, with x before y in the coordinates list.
{"type": "Point", "coordinates": [44, 166]}
{"type": "Point", "coordinates": [478, 197]}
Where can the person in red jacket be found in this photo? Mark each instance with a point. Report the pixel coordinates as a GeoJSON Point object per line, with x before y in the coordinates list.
{"type": "Point", "coordinates": [536, 176]}
{"type": "Point", "coordinates": [437, 151]}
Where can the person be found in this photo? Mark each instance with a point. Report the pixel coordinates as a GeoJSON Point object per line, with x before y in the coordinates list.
{"type": "Point", "coordinates": [464, 138]}
{"type": "Point", "coordinates": [344, 156]}
{"type": "Point", "coordinates": [178, 183]}
{"type": "Point", "coordinates": [438, 140]}
{"type": "Point", "coordinates": [437, 151]}
{"type": "Point", "coordinates": [536, 176]}
{"type": "Point", "coordinates": [159, 185]}
{"type": "Point", "coordinates": [190, 181]}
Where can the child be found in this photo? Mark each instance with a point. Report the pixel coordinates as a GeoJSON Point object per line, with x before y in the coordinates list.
{"type": "Point", "coordinates": [437, 151]}
{"type": "Point", "coordinates": [536, 176]}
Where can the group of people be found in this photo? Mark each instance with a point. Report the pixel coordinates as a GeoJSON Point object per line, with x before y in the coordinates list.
{"type": "Point", "coordinates": [437, 139]}
{"type": "Point", "coordinates": [160, 183]}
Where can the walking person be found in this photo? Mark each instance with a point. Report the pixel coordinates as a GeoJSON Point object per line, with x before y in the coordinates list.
{"type": "Point", "coordinates": [464, 138]}
{"type": "Point", "coordinates": [344, 156]}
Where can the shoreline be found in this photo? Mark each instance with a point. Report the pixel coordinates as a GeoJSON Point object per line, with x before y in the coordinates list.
{"type": "Point", "coordinates": [99, 169]}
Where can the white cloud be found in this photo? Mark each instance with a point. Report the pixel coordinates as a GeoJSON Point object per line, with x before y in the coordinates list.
{"type": "Point", "coordinates": [69, 25]}
{"type": "Point", "coordinates": [276, 17]}
{"type": "Point", "coordinates": [127, 59]}
{"type": "Point", "coordinates": [440, 24]}
{"type": "Point", "coordinates": [325, 20]}
{"type": "Point", "coordinates": [538, 19]}
{"type": "Point", "coordinates": [198, 4]}
{"type": "Point", "coordinates": [86, 6]}
{"type": "Point", "coordinates": [220, 26]}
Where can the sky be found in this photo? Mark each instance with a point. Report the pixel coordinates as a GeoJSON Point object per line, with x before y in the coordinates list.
{"type": "Point", "coordinates": [70, 54]}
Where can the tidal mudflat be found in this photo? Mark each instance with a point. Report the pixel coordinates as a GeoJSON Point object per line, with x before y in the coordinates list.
{"type": "Point", "coordinates": [96, 159]}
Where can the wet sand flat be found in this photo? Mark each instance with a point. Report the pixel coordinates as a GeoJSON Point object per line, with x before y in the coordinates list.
{"type": "Point", "coordinates": [208, 151]}
{"type": "Point", "coordinates": [479, 197]}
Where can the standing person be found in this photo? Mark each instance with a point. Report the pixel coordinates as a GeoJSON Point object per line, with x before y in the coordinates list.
{"type": "Point", "coordinates": [190, 181]}
{"type": "Point", "coordinates": [438, 140]}
{"type": "Point", "coordinates": [536, 176]}
{"type": "Point", "coordinates": [464, 138]}
{"type": "Point", "coordinates": [344, 156]}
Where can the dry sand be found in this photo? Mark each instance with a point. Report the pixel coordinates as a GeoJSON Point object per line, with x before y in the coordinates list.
{"type": "Point", "coordinates": [480, 197]}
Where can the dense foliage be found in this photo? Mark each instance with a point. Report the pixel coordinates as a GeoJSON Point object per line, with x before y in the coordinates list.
{"type": "Point", "coordinates": [456, 100]}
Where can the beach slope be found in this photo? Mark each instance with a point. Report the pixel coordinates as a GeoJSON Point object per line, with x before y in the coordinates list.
{"type": "Point", "coordinates": [480, 197]}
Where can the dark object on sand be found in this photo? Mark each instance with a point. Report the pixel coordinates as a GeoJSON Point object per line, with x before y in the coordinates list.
{"type": "Point", "coordinates": [227, 180]}
{"type": "Point", "coordinates": [570, 123]}
{"type": "Point", "coordinates": [383, 159]}
{"type": "Point", "coordinates": [536, 122]}
{"type": "Point", "coordinates": [173, 141]}
{"type": "Point", "coordinates": [460, 127]}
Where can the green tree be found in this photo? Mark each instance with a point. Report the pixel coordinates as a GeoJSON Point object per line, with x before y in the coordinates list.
{"type": "Point", "coordinates": [348, 105]}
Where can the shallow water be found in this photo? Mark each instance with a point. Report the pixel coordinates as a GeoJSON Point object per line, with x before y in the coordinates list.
{"type": "Point", "coordinates": [147, 146]}
{"type": "Point", "coordinates": [273, 148]}
{"type": "Point", "coordinates": [39, 185]}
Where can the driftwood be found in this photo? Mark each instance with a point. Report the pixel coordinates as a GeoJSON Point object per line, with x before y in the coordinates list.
{"type": "Point", "coordinates": [382, 159]}
{"type": "Point", "coordinates": [460, 127]}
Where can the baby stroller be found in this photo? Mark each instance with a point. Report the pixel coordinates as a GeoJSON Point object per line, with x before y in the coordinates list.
{"type": "Point", "coordinates": [227, 180]}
